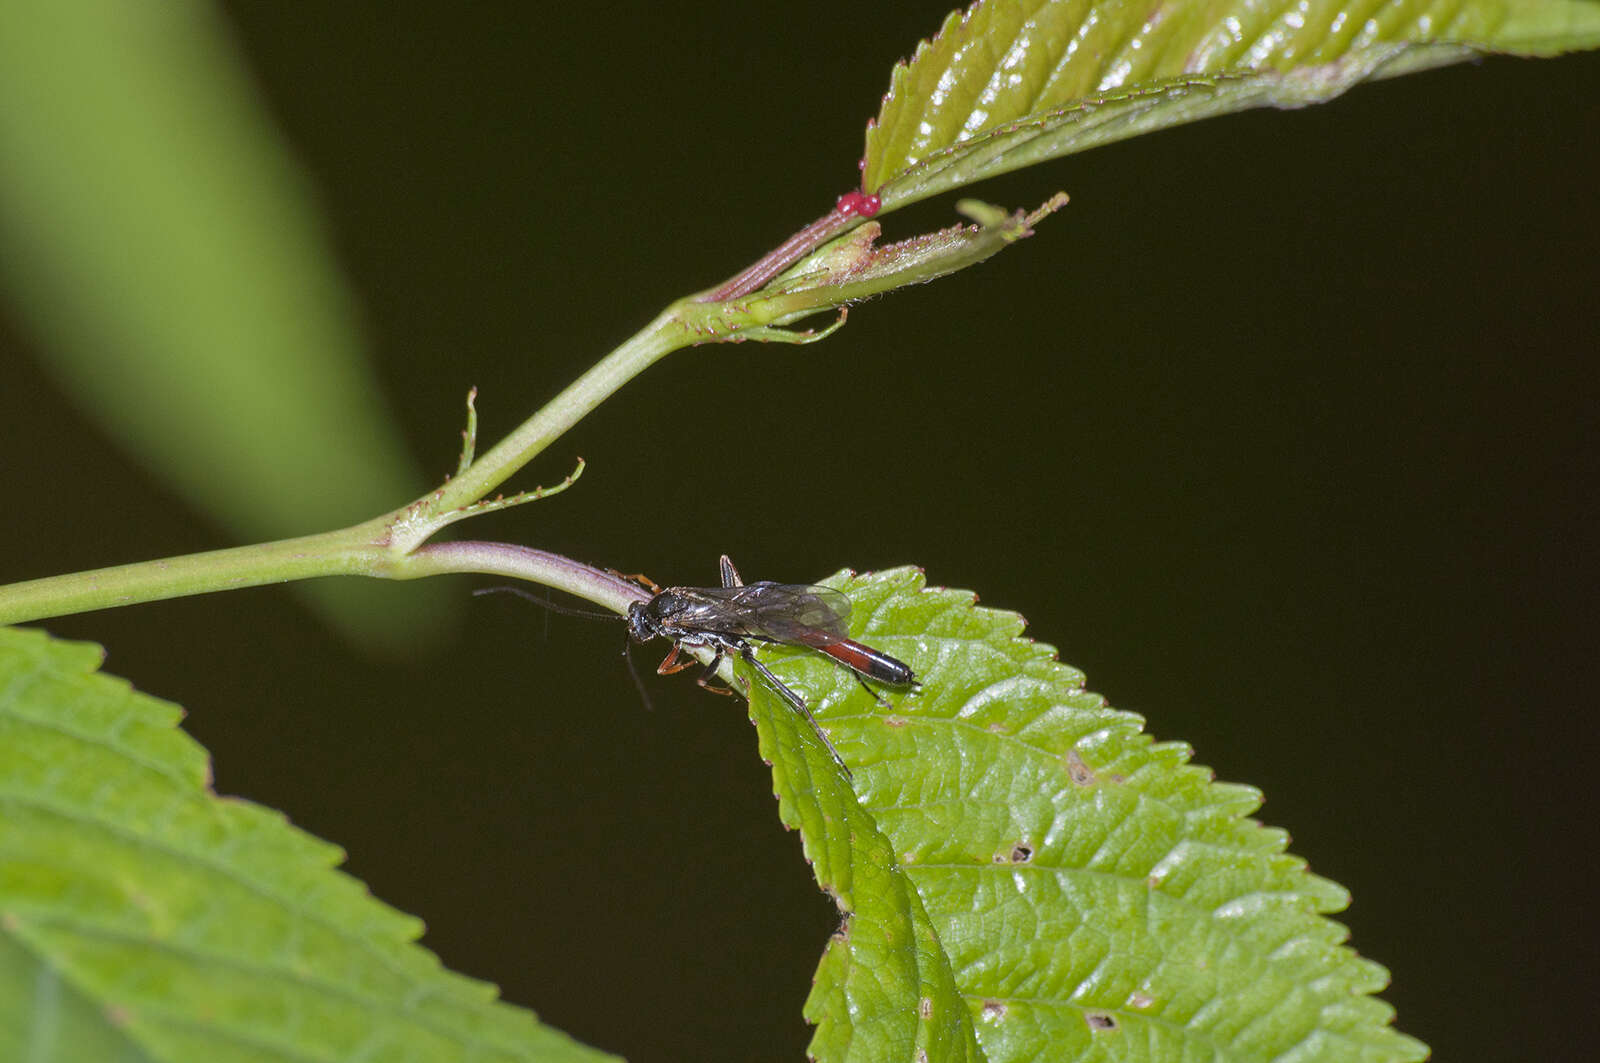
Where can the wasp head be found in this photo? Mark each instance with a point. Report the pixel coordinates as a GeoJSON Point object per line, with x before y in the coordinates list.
{"type": "Point", "coordinates": [643, 625]}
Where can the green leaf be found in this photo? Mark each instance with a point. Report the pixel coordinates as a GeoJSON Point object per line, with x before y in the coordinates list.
{"type": "Point", "coordinates": [169, 257]}
{"type": "Point", "coordinates": [1092, 894]}
{"type": "Point", "coordinates": [884, 989]}
{"type": "Point", "coordinates": [143, 917]}
{"type": "Point", "coordinates": [1008, 84]}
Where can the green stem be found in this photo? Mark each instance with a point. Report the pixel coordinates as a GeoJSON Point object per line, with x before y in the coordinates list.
{"type": "Point", "coordinates": [358, 550]}
{"type": "Point", "coordinates": [391, 546]}
{"type": "Point", "coordinates": [376, 548]}
{"type": "Point", "coordinates": [662, 336]}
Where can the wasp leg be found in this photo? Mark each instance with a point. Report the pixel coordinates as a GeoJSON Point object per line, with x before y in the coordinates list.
{"type": "Point", "coordinates": [797, 703]}
{"type": "Point", "coordinates": [636, 577]}
{"type": "Point", "coordinates": [711, 673]}
{"type": "Point", "coordinates": [883, 702]}
{"type": "Point", "coordinates": [673, 664]}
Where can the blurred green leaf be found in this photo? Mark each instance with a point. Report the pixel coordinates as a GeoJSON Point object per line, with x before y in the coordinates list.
{"type": "Point", "coordinates": [1091, 894]}
{"type": "Point", "coordinates": [1004, 85]}
{"type": "Point", "coordinates": [143, 917]}
{"type": "Point", "coordinates": [168, 255]}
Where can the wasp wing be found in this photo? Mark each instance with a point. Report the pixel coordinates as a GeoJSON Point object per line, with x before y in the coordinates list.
{"type": "Point", "coordinates": [793, 613]}
{"type": "Point", "coordinates": [796, 613]}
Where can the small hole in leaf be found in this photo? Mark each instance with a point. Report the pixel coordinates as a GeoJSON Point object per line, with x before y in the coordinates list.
{"type": "Point", "coordinates": [1099, 1020]}
{"type": "Point", "coordinates": [1021, 854]}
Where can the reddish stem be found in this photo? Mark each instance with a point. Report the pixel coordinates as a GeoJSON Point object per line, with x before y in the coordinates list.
{"type": "Point", "coordinates": [851, 205]}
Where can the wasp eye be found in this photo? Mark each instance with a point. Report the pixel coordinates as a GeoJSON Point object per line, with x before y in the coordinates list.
{"type": "Point", "coordinates": [642, 625]}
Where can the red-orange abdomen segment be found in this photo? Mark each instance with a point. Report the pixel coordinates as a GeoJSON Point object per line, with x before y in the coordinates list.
{"type": "Point", "coordinates": [870, 663]}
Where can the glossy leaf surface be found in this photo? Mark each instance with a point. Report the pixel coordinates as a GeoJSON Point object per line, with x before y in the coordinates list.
{"type": "Point", "coordinates": [1010, 83]}
{"type": "Point", "coordinates": [144, 918]}
{"type": "Point", "coordinates": [1091, 894]}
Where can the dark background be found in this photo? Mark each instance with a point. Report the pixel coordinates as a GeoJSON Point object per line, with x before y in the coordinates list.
{"type": "Point", "coordinates": [1282, 431]}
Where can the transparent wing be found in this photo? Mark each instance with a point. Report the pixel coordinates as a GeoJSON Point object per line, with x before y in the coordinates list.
{"type": "Point", "coordinates": [795, 613]}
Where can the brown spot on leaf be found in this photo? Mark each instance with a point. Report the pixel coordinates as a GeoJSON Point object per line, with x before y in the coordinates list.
{"type": "Point", "coordinates": [1099, 1021]}
{"type": "Point", "coordinates": [993, 1010]}
{"type": "Point", "coordinates": [1079, 772]}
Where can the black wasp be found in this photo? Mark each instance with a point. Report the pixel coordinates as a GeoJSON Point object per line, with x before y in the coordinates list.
{"type": "Point", "coordinates": [727, 619]}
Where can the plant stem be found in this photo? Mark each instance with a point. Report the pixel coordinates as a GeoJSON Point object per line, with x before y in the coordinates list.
{"type": "Point", "coordinates": [375, 548]}
{"type": "Point", "coordinates": [357, 550]}
{"type": "Point", "coordinates": [758, 273]}
{"type": "Point", "coordinates": [392, 546]}
{"type": "Point", "coordinates": [662, 336]}
{"type": "Point", "coordinates": [850, 207]}
{"type": "Point", "coordinates": [523, 562]}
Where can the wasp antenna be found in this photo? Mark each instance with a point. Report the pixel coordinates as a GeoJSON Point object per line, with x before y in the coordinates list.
{"type": "Point", "coordinates": [730, 575]}
{"type": "Point", "coordinates": [566, 610]}
{"type": "Point", "coordinates": [633, 673]}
